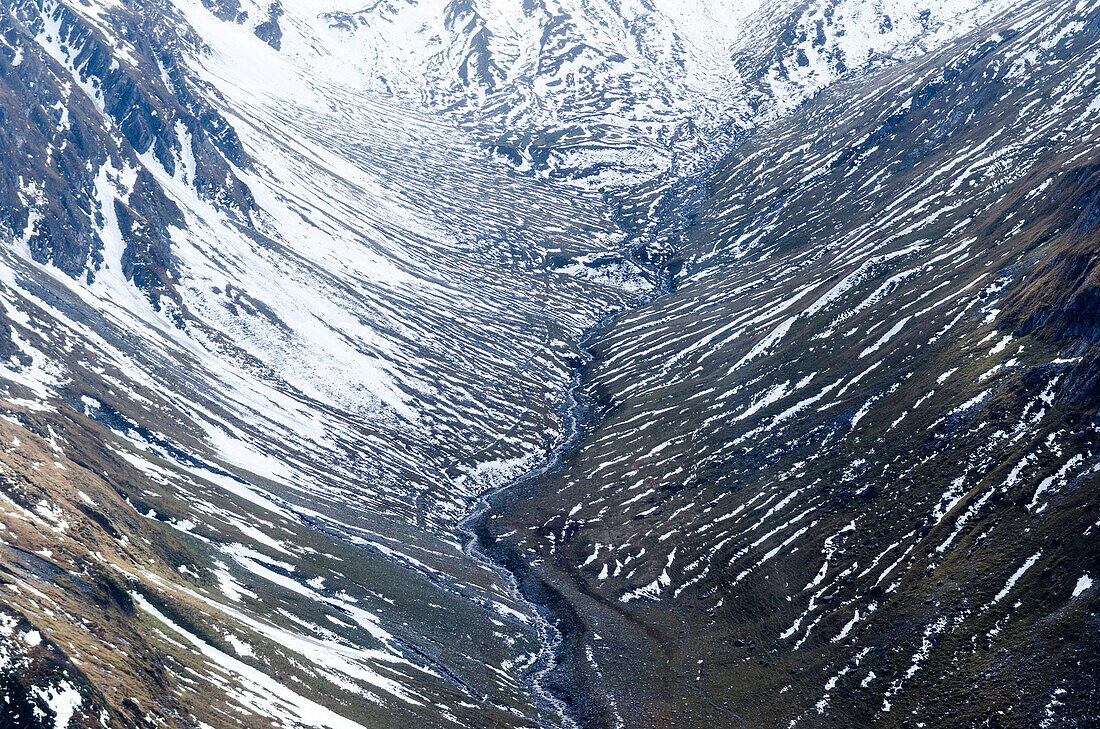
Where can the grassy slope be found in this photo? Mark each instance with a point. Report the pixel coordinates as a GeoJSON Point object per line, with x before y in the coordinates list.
{"type": "Point", "coordinates": [951, 430]}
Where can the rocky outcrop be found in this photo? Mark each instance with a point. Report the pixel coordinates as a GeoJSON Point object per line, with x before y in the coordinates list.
{"type": "Point", "coordinates": [61, 111]}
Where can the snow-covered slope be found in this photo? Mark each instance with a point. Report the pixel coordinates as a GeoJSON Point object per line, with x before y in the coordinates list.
{"type": "Point", "coordinates": [294, 330]}
{"type": "Point", "coordinates": [609, 95]}
{"type": "Point", "coordinates": [846, 472]}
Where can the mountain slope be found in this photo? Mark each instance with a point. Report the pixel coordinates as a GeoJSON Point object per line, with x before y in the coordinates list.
{"type": "Point", "coordinates": [845, 473]}
{"type": "Point", "coordinates": [236, 353]}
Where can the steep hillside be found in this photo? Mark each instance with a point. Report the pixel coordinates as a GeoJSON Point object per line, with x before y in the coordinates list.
{"type": "Point", "coordinates": [846, 472]}
{"type": "Point", "coordinates": [275, 336]}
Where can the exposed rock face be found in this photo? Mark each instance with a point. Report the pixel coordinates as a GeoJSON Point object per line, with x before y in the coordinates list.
{"type": "Point", "coordinates": [69, 88]}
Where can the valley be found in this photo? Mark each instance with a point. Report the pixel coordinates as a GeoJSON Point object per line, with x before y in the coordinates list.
{"type": "Point", "coordinates": [549, 364]}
